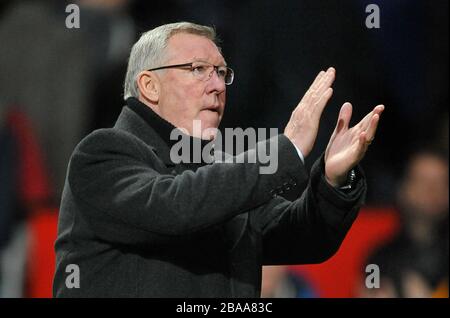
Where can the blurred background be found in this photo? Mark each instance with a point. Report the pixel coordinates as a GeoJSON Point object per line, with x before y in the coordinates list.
{"type": "Point", "coordinates": [58, 84]}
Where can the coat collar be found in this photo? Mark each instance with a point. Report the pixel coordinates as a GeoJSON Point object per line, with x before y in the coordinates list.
{"type": "Point", "coordinates": [140, 120]}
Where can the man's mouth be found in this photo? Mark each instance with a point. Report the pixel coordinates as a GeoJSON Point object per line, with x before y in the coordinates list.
{"type": "Point", "coordinates": [213, 109]}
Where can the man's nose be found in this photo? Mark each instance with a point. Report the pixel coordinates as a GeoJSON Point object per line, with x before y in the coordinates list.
{"type": "Point", "coordinates": [215, 83]}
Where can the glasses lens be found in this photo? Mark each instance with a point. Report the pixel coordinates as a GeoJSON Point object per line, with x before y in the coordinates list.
{"type": "Point", "coordinates": [204, 71]}
{"type": "Point", "coordinates": [201, 70]}
{"type": "Point", "coordinates": [229, 77]}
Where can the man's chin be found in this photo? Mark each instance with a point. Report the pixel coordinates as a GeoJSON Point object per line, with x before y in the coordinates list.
{"type": "Point", "coordinates": [209, 127]}
{"type": "Point", "coordinates": [209, 134]}
{"type": "Point", "coordinates": [208, 130]}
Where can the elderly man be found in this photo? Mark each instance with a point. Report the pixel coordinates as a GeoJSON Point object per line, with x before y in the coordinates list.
{"type": "Point", "coordinates": [134, 223]}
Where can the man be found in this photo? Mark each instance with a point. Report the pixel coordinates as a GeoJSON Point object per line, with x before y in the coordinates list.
{"type": "Point", "coordinates": [422, 203]}
{"type": "Point", "coordinates": [137, 224]}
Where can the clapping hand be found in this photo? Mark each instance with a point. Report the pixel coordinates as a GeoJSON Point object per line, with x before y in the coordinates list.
{"type": "Point", "coordinates": [347, 146]}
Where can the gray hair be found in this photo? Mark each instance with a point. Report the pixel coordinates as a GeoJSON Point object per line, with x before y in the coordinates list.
{"type": "Point", "coordinates": [149, 51]}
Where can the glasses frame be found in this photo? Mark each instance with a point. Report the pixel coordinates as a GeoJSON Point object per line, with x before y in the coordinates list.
{"type": "Point", "coordinates": [185, 65]}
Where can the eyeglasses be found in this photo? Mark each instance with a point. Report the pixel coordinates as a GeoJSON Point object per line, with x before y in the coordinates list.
{"type": "Point", "coordinates": [203, 71]}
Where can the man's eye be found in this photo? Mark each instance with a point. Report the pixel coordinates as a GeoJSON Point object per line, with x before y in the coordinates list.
{"type": "Point", "coordinates": [222, 73]}
{"type": "Point", "coordinates": [199, 69]}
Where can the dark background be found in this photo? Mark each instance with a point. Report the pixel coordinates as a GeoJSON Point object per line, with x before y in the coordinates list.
{"type": "Point", "coordinates": [276, 48]}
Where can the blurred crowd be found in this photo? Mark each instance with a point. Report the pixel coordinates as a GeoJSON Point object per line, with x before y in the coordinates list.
{"type": "Point", "coordinates": [57, 84]}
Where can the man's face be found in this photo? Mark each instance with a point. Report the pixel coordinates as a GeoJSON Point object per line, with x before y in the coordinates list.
{"type": "Point", "coordinates": [183, 98]}
{"type": "Point", "coordinates": [426, 188]}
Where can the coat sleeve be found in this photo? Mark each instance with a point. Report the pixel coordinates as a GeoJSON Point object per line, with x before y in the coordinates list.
{"type": "Point", "coordinates": [310, 229]}
{"type": "Point", "coordinates": [123, 195]}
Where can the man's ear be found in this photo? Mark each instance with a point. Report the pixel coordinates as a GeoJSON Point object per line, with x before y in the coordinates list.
{"type": "Point", "coordinates": [149, 86]}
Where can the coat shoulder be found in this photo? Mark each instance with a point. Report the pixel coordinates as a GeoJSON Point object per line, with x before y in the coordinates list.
{"type": "Point", "coordinates": [106, 149]}
{"type": "Point", "coordinates": [108, 139]}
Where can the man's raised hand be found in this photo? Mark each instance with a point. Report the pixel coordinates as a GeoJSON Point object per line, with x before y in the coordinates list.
{"type": "Point", "coordinates": [303, 125]}
{"type": "Point", "coordinates": [347, 146]}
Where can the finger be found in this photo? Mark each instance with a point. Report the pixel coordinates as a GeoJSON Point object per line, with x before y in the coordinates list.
{"type": "Point", "coordinates": [317, 80]}
{"type": "Point", "coordinates": [378, 109]}
{"type": "Point", "coordinates": [313, 88]}
{"type": "Point", "coordinates": [345, 114]}
{"type": "Point", "coordinates": [371, 130]}
{"type": "Point", "coordinates": [364, 123]}
{"type": "Point", "coordinates": [366, 137]}
{"type": "Point", "coordinates": [362, 146]}
{"type": "Point", "coordinates": [322, 102]}
{"type": "Point", "coordinates": [344, 117]}
{"type": "Point", "coordinates": [326, 81]}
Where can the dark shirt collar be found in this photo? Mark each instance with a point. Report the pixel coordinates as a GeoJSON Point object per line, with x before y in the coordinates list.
{"type": "Point", "coordinates": [162, 127]}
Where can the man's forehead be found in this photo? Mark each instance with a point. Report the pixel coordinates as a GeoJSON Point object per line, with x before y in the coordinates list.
{"type": "Point", "coordinates": [193, 47]}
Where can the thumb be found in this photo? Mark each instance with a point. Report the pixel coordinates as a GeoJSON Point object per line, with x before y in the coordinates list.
{"type": "Point", "coordinates": [345, 114]}
{"type": "Point", "coordinates": [343, 121]}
